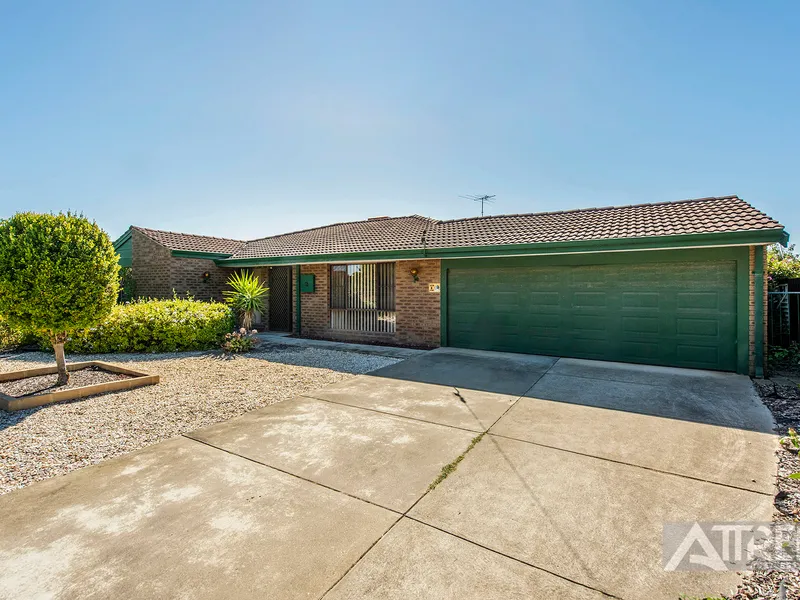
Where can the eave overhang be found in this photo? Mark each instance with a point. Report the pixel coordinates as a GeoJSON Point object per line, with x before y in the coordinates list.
{"type": "Point", "coordinates": [205, 255]}
{"type": "Point", "coordinates": [122, 239]}
{"type": "Point", "coordinates": [697, 240]}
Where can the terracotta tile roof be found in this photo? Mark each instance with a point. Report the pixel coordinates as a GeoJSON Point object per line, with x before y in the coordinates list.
{"type": "Point", "coordinates": [190, 242]}
{"type": "Point", "coordinates": [704, 215]}
{"type": "Point", "coordinates": [382, 233]}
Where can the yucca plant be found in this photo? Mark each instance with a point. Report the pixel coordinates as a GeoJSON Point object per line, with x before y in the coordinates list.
{"type": "Point", "coordinates": [246, 296]}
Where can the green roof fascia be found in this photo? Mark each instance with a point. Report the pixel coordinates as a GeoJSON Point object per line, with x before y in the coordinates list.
{"type": "Point", "coordinates": [122, 239]}
{"type": "Point", "coordinates": [735, 238]}
{"type": "Point", "coordinates": [193, 254]}
{"type": "Point", "coordinates": [664, 242]}
{"type": "Point", "coordinates": [340, 257]}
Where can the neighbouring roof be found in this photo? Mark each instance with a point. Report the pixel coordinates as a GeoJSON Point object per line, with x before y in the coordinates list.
{"type": "Point", "coordinates": [187, 242]}
{"type": "Point", "coordinates": [728, 214]}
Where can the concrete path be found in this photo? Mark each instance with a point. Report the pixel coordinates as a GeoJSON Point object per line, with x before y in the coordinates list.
{"type": "Point", "coordinates": [270, 339]}
{"type": "Point", "coordinates": [327, 496]}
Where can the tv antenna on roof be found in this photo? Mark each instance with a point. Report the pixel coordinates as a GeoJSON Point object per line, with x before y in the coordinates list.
{"type": "Point", "coordinates": [483, 199]}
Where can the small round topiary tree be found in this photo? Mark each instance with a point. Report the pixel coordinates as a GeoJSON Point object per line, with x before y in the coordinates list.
{"type": "Point", "coordinates": [58, 275]}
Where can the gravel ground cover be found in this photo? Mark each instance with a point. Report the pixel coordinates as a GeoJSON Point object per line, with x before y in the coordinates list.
{"type": "Point", "coordinates": [44, 384]}
{"type": "Point", "coordinates": [784, 403]}
{"type": "Point", "coordinates": [196, 389]}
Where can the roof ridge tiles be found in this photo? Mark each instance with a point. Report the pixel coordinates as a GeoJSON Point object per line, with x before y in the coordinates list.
{"type": "Point", "coordinates": [210, 237]}
{"type": "Point", "coordinates": [380, 220]}
{"type": "Point", "coordinates": [596, 209]}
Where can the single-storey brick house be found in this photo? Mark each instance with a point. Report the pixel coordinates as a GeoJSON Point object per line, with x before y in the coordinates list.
{"type": "Point", "coordinates": [675, 283]}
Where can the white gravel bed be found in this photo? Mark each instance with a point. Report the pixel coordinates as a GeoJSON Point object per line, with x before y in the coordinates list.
{"type": "Point", "coordinates": [196, 389]}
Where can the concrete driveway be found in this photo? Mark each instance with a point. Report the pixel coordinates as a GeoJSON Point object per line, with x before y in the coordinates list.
{"type": "Point", "coordinates": [328, 495]}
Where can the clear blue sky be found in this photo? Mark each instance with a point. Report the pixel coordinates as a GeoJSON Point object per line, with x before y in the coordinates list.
{"type": "Point", "coordinates": [245, 119]}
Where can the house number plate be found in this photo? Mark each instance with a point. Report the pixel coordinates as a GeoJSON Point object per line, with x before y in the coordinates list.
{"type": "Point", "coordinates": [434, 287]}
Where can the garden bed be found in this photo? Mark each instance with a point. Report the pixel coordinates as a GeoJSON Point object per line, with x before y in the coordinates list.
{"type": "Point", "coordinates": [36, 387]}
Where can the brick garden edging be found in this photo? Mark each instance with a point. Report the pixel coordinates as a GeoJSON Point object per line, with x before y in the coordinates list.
{"type": "Point", "coordinates": [12, 403]}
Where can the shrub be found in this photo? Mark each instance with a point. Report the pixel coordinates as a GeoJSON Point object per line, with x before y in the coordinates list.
{"type": "Point", "coordinates": [12, 338]}
{"type": "Point", "coordinates": [9, 338]}
{"type": "Point", "coordinates": [58, 275]}
{"type": "Point", "coordinates": [157, 326]}
{"type": "Point", "coordinates": [782, 263]}
{"type": "Point", "coordinates": [785, 358]}
{"type": "Point", "coordinates": [127, 285]}
{"type": "Point", "coordinates": [239, 341]}
{"type": "Point", "coordinates": [246, 296]}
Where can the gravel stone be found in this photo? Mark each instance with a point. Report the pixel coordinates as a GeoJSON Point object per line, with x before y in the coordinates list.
{"type": "Point", "coordinates": [196, 389]}
{"type": "Point", "coordinates": [773, 585]}
{"type": "Point", "coordinates": [44, 384]}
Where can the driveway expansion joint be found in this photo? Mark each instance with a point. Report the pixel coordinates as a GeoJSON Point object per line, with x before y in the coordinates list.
{"type": "Point", "coordinates": [258, 462]}
{"type": "Point", "coordinates": [514, 558]}
{"type": "Point", "coordinates": [390, 414]}
{"type": "Point", "coordinates": [627, 464]}
{"type": "Point", "coordinates": [359, 559]}
{"type": "Point", "coordinates": [533, 385]}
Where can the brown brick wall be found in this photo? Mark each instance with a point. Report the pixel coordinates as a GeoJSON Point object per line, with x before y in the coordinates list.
{"type": "Point", "coordinates": [752, 311]}
{"type": "Point", "coordinates": [314, 306]}
{"type": "Point", "coordinates": [157, 273]}
{"type": "Point", "coordinates": [186, 278]}
{"type": "Point", "coordinates": [150, 264]}
{"type": "Point", "coordinates": [417, 308]}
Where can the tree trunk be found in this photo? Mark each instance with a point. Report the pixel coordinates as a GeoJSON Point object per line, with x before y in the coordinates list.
{"type": "Point", "coordinates": [61, 363]}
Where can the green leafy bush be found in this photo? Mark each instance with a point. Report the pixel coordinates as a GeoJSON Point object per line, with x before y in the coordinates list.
{"type": "Point", "coordinates": [12, 338]}
{"type": "Point", "coordinates": [782, 263]}
{"type": "Point", "coordinates": [127, 285]}
{"type": "Point", "coordinates": [157, 326]}
{"type": "Point", "coordinates": [785, 357]}
{"type": "Point", "coordinates": [58, 275]}
{"type": "Point", "coordinates": [9, 338]}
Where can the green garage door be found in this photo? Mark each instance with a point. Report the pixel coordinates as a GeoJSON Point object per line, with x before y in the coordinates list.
{"type": "Point", "coordinates": [679, 314]}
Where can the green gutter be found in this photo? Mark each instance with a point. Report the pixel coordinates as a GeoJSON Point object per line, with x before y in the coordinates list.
{"type": "Point", "coordinates": [737, 238]}
{"type": "Point", "coordinates": [297, 299]}
{"type": "Point", "coordinates": [206, 255]}
{"type": "Point", "coordinates": [323, 258]}
{"type": "Point", "coordinates": [758, 299]}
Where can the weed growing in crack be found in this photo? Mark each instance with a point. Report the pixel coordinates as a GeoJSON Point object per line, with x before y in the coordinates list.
{"type": "Point", "coordinates": [450, 467]}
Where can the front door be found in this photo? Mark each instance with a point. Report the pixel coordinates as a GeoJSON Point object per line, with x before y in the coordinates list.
{"type": "Point", "coordinates": [280, 298]}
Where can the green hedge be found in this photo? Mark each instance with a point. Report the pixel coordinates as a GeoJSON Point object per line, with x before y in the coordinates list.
{"type": "Point", "coordinates": [157, 326]}
{"type": "Point", "coordinates": [9, 338]}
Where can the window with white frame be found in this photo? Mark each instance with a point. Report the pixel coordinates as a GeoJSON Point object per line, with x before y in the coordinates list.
{"type": "Point", "coordinates": [363, 297]}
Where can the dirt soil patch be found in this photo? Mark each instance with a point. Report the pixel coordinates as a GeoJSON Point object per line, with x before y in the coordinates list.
{"type": "Point", "coordinates": [44, 384]}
